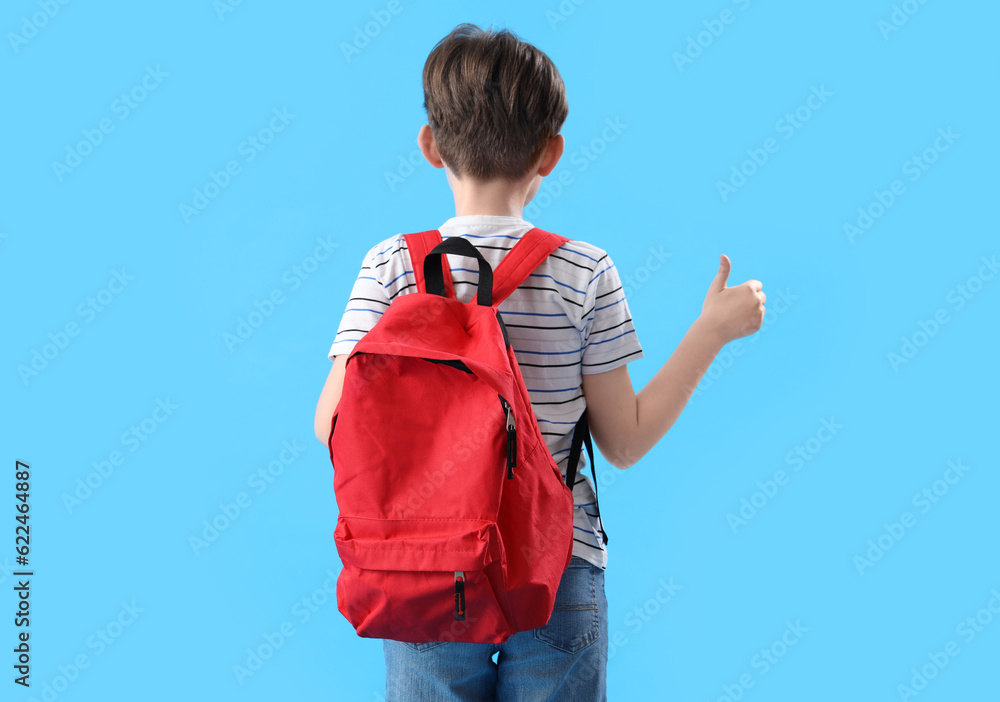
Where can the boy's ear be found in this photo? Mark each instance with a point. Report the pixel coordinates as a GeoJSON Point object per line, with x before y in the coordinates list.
{"type": "Point", "coordinates": [428, 147]}
{"type": "Point", "coordinates": [550, 157]}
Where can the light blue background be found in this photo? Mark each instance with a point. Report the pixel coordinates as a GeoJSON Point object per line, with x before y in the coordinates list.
{"type": "Point", "coordinates": [652, 189]}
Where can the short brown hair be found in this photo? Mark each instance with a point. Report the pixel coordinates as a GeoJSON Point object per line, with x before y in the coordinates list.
{"type": "Point", "coordinates": [493, 102]}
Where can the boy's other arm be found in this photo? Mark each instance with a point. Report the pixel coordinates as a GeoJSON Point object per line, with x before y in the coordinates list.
{"type": "Point", "coordinates": [329, 397]}
{"type": "Point", "coordinates": [363, 311]}
{"type": "Point", "coordinates": [625, 424]}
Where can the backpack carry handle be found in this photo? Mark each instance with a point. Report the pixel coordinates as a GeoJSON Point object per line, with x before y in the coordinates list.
{"type": "Point", "coordinates": [434, 276]}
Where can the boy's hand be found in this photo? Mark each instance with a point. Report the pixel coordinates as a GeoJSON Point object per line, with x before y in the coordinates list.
{"type": "Point", "coordinates": [732, 312]}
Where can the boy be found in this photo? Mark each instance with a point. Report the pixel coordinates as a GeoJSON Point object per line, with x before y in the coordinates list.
{"type": "Point", "coordinates": [495, 107]}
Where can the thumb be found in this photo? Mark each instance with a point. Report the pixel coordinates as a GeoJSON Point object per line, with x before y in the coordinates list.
{"type": "Point", "coordinates": [720, 278]}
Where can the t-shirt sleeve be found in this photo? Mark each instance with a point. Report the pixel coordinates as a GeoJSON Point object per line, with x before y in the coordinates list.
{"type": "Point", "coordinates": [609, 339]}
{"type": "Point", "coordinates": [367, 303]}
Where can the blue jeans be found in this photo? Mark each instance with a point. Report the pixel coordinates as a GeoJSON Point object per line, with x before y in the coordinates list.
{"type": "Point", "coordinates": [566, 659]}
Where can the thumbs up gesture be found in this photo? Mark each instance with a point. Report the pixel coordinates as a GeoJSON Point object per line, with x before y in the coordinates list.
{"type": "Point", "coordinates": [732, 312]}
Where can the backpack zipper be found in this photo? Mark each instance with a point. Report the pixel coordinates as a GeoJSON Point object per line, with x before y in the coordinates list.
{"type": "Point", "coordinates": [511, 437]}
{"type": "Point", "coordinates": [459, 596]}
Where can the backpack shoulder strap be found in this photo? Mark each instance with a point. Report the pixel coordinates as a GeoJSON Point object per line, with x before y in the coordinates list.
{"type": "Point", "coordinates": [419, 245]}
{"type": "Point", "coordinates": [581, 436]}
{"type": "Point", "coordinates": [527, 254]}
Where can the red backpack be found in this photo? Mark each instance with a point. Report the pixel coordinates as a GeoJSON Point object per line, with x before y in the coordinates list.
{"type": "Point", "coordinates": [455, 523]}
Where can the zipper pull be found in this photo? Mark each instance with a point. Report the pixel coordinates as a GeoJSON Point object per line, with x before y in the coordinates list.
{"type": "Point", "coordinates": [511, 439]}
{"type": "Point", "coordinates": [459, 596]}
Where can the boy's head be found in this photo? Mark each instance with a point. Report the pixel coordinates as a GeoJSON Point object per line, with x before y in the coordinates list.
{"type": "Point", "coordinates": [493, 103]}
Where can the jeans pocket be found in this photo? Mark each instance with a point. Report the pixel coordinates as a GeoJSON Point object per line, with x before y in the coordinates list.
{"type": "Point", "coordinates": [422, 646]}
{"type": "Point", "coordinates": [575, 622]}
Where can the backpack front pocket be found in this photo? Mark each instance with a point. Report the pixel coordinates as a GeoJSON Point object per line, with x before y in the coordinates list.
{"type": "Point", "coordinates": [433, 580]}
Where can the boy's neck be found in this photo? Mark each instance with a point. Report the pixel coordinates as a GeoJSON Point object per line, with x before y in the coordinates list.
{"type": "Point", "coordinates": [495, 197]}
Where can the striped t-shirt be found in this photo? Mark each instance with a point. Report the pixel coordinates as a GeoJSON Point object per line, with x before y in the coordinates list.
{"type": "Point", "coordinates": [568, 318]}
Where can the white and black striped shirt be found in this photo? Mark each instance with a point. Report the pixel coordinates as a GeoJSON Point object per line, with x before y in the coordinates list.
{"type": "Point", "coordinates": [570, 317]}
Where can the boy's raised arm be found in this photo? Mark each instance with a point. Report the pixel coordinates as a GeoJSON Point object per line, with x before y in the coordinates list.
{"type": "Point", "coordinates": [625, 424]}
